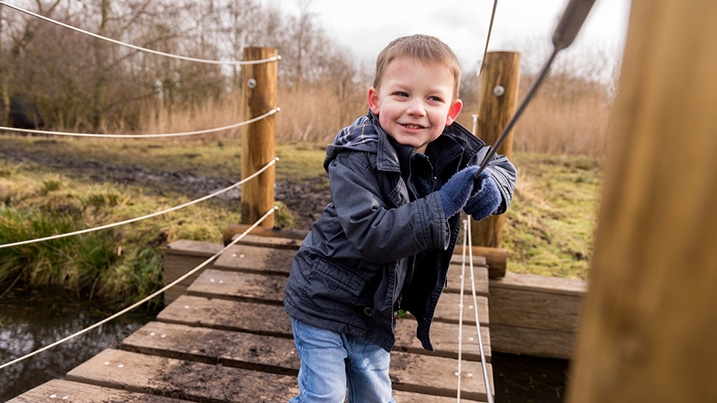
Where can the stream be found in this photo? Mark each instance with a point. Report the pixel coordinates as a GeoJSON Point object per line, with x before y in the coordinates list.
{"type": "Point", "coordinates": [31, 320]}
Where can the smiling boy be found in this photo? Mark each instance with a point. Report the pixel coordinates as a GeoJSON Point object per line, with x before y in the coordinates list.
{"type": "Point", "coordinates": [399, 177]}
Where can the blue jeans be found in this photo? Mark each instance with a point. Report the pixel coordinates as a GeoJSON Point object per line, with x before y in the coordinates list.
{"type": "Point", "coordinates": [333, 363]}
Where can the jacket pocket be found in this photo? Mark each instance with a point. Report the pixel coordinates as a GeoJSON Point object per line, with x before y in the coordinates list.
{"type": "Point", "coordinates": [331, 288]}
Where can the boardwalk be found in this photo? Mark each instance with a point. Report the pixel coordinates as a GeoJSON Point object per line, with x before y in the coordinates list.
{"type": "Point", "coordinates": [228, 339]}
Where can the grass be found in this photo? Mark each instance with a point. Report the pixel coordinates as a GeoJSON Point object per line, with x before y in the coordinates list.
{"type": "Point", "coordinates": [548, 229]}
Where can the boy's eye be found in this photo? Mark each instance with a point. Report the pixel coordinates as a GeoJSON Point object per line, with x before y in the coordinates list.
{"type": "Point", "coordinates": [435, 98]}
{"type": "Point", "coordinates": [400, 94]}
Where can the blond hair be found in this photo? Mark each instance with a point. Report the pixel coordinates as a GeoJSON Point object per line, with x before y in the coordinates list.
{"type": "Point", "coordinates": [425, 48]}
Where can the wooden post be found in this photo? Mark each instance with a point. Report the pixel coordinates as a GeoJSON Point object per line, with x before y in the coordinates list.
{"type": "Point", "coordinates": [258, 140]}
{"type": "Point", "coordinates": [649, 324]}
{"type": "Point", "coordinates": [497, 103]}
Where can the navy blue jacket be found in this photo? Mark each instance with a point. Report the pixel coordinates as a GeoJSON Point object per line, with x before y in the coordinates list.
{"type": "Point", "coordinates": [384, 241]}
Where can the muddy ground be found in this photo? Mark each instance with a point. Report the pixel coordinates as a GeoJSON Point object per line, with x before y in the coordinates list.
{"type": "Point", "coordinates": [518, 379]}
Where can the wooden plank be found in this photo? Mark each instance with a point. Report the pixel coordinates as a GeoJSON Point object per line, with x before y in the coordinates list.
{"type": "Point", "coordinates": [480, 275]}
{"type": "Point", "coordinates": [182, 379]}
{"type": "Point", "coordinates": [247, 258]}
{"type": "Point", "coordinates": [535, 310]}
{"type": "Point", "coordinates": [192, 248]}
{"type": "Point", "coordinates": [536, 283]}
{"type": "Point", "coordinates": [179, 258]}
{"type": "Point", "coordinates": [444, 337]}
{"type": "Point", "coordinates": [213, 346]}
{"type": "Point", "coordinates": [268, 288]}
{"type": "Point", "coordinates": [65, 391]}
{"type": "Point", "coordinates": [495, 258]}
{"type": "Point", "coordinates": [448, 309]}
{"type": "Point", "coordinates": [410, 372]}
{"type": "Point", "coordinates": [409, 397]}
{"type": "Point", "coordinates": [535, 342]}
{"type": "Point", "coordinates": [267, 242]}
{"type": "Point", "coordinates": [272, 320]}
{"type": "Point", "coordinates": [273, 232]}
{"type": "Point", "coordinates": [437, 376]}
{"type": "Point", "coordinates": [240, 316]}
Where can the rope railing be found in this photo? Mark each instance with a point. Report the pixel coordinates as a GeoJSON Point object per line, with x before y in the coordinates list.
{"type": "Point", "coordinates": [139, 48]}
{"type": "Point", "coordinates": [467, 240]}
{"type": "Point", "coordinates": [146, 299]}
{"type": "Point", "coordinates": [143, 136]}
{"type": "Point", "coordinates": [158, 213]}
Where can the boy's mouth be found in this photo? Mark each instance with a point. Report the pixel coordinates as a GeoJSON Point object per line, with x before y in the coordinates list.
{"type": "Point", "coordinates": [411, 126]}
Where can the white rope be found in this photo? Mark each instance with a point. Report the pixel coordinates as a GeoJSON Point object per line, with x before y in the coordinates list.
{"type": "Point", "coordinates": [484, 364]}
{"type": "Point", "coordinates": [143, 136]}
{"type": "Point", "coordinates": [169, 210]}
{"type": "Point", "coordinates": [137, 304]}
{"type": "Point", "coordinates": [155, 52]}
{"type": "Point", "coordinates": [460, 315]}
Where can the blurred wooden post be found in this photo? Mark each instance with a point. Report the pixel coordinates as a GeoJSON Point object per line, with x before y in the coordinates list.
{"type": "Point", "coordinates": [649, 324]}
{"type": "Point", "coordinates": [259, 138]}
{"type": "Point", "coordinates": [497, 103]}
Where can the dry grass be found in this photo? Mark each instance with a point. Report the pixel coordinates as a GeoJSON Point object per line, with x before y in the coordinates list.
{"type": "Point", "coordinates": [567, 116]}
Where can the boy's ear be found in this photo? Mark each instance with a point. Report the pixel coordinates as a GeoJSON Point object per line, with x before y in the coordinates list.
{"type": "Point", "coordinates": [453, 111]}
{"type": "Point", "coordinates": [373, 101]}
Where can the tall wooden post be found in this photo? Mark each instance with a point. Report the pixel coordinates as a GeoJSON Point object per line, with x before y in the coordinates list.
{"type": "Point", "coordinates": [497, 103]}
{"type": "Point", "coordinates": [259, 138]}
{"type": "Point", "coordinates": [649, 324]}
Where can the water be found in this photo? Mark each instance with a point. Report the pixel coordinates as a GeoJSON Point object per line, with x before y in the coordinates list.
{"type": "Point", "coordinates": [32, 320]}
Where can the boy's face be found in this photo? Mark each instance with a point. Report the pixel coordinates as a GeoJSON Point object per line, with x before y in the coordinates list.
{"type": "Point", "coordinates": [414, 102]}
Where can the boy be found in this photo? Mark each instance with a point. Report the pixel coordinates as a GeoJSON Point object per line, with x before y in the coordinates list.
{"type": "Point", "coordinates": [399, 177]}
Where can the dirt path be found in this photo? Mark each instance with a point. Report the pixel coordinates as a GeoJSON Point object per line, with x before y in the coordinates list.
{"type": "Point", "coordinates": [305, 200]}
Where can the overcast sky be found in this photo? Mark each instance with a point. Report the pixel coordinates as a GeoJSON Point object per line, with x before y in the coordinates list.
{"type": "Point", "coordinates": [366, 26]}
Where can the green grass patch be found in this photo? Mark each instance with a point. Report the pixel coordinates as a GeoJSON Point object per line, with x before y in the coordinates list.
{"type": "Point", "coordinates": [549, 226]}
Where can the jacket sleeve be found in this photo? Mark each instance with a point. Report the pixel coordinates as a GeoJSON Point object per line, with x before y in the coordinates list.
{"type": "Point", "coordinates": [381, 223]}
{"type": "Point", "coordinates": [504, 173]}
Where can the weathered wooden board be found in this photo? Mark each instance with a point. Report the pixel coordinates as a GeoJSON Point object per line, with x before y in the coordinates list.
{"type": "Point", "coordinates": [448, 309]}
{"type": "Point", "coordinates": [268, 288]}
{"type": "Point", "coordinates": [65, 391]}
{"type": "Point", "coordinates": [535, 315]}
{"type": "Point", "coordinates": [249, 258]}
{"type": "Point", "coordinates": [409, 397]}
{"type": "Point", "coordinates": [272, 320]}
{"type": "Point", "coordinates": [226, 314]}
{"type": "Point", "coordinates": [179, 258]}
{"type": "Point", "coordinates": [409, 372]}
{"type": "Point", "coordinates": [534, 310]}
{"type": "Point", "coordinates": [182, 379]}
{"type": "Point", "coordinates": [535, 342]}
{"type": "Point", "coordinates": [480, 276]}
{"type": "Point", "coordinates": [536, 283]}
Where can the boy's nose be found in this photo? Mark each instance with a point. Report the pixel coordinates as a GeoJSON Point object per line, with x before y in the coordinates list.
{"type": "Point", "coordinates": [416, 107]}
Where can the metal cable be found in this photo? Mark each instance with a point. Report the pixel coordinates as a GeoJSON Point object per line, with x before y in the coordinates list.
{"type": "Point", "coordinates": [487, 39]}
{"type": "Point", "coordinates": [169, 210]}
{"type": "Point", "coordinates": [155, 52]}
{"type": "Point", "coordinates": [137, 304]}
{"type": "Point", "coordinates": [144, 136]}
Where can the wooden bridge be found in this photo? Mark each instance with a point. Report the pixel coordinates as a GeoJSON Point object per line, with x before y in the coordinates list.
{"type": "Point", "coordinates": [227, 338]}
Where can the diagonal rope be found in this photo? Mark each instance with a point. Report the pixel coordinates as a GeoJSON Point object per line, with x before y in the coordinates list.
{"type": "Point", "coordinates": [155, 52]}
{"type": "Point", "coordinates": [131, 220]}
{"type": "Point", "coordinates": [154, 295]}
{"type": "Point", "coordinates": [143, 136]}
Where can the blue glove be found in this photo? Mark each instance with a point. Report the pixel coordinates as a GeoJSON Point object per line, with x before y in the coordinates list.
{"type": "Point", "coordinates": [457, 190]}
{"type": "Point", "coordinates": [486, 200]}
